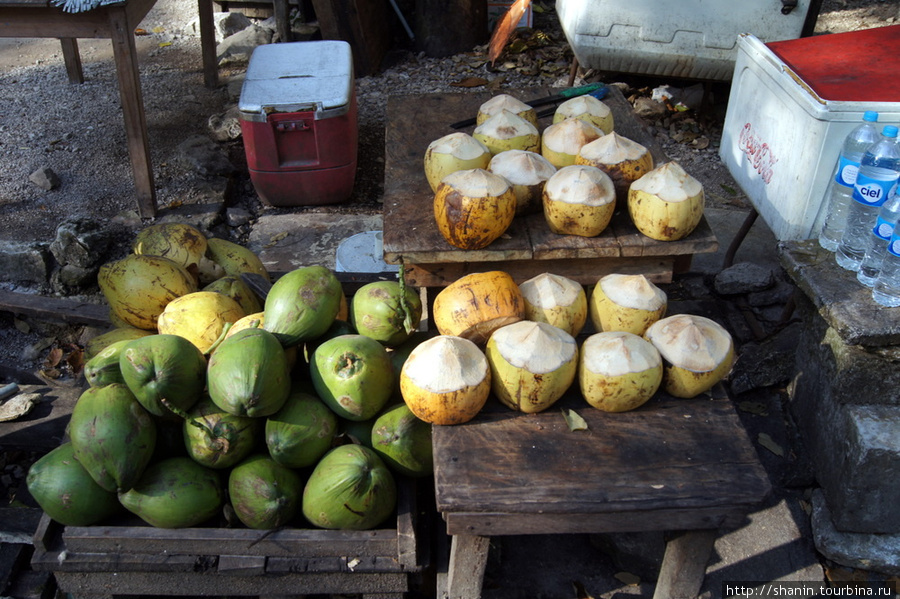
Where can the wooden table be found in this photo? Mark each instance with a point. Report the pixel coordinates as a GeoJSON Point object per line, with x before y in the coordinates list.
{"type": "Point", "coordinates": [681, 465]}
{"type": "Point", "coordinates": [529, 247]}
{"type": "Point", "coordinates": [117, 22]}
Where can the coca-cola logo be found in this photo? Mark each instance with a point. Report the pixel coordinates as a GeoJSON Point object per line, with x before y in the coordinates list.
{"type": "Point", "coordinates": [758, 152]}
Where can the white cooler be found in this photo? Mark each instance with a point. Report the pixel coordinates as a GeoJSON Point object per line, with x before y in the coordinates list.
{"type": "Point", "coordinates": [792, 104]}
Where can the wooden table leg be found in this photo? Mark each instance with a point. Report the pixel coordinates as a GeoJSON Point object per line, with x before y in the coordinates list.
{"type": "Point", "coordinates": [468, 558]}
{"type": "Point", "coordinates": [684, 565]}
{"type": "Point", "coordinates": [72, 59]}
{"type": "Point", "coordinates": [282, 21]}
{"type": "Point", "coordinates": [208, 43]}
{"type": "Point", "coordinates": [125, 54]}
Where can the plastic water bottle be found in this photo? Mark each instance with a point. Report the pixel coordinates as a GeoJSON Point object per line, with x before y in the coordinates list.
{"type": "Point", "coordinates": [875, 182]}
{"type": "Point", "coordinates": [840, 191]}
{"type": "Point", "coordinates": [886, 290]}
{"type": "Point", "coordinates": [878, 240]}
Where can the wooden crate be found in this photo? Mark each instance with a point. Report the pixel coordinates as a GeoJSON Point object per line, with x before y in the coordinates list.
{"type": "Point", "coordinates": [135, 559]}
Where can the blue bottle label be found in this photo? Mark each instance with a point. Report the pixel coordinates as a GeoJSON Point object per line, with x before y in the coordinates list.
{"type": "Point", "coordinates": [873, 188]}
{"type": "Point", "coordinates": [846, 172]}
{"type": "Point", "coordinates": [894, 244]}
{"type": "Point", "coordinates": [883, 229]}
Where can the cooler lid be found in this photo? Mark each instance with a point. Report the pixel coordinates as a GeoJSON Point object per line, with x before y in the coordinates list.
{"type": "Point", "coordinates": [856, 66]}
{"type": "Point", "coordinates": [298, 77]}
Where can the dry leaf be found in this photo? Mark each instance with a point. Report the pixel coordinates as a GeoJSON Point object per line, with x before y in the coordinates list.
{"type": "Point", "coordinates": [470, 82]}
{"type": "Point", "coordinates": [54, 357]}
{"type": "Point", "coordinates": [76, 360]}
{"type": "Point", "coordinates": [21, 326]}
{"type": "Point", "coordinates": [574, 421]}
{"type": "Point", "coordinates": [769, 443]}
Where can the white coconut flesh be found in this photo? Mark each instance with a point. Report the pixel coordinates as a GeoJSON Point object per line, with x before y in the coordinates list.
{"type": "Point", "coordinates": [633, 291]}
{"type": "Point", "coordinates": [550, 291]}
{"type": "Point", "coordinates": [536, 347]}
{"type": "Point", "coordinates": [670, 183]}
{"type": "Point", "coordinates": [612, 149]}
{"type": "Point", "coordinates": [505, 102]}
{"type": "Point", "coordinates": [445, 364]}
{"type": "Point", "coordinates": [586, 108]}
{"type": "Point", "coordinates": [521, 167]}
{"type": "Point", "coordinates": [477, 183]}
{"type": "Point", "coordinates": [507, 131]}
{"type": "Point", "coordinates": [691, 342]}
{"type": "Point", "coordinates": [618, 353]}
{"type": "Point", "coordinates": [568, 137]}
{"type": "Point", "coordinates": [454, 152]}
{"type": "Point", "coordinates": [580, 184]}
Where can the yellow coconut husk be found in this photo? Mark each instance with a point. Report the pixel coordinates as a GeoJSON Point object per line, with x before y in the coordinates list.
{"type": "Point", "coordinates": [666, 204]}
{"type": "Point", "coordinates": [532, 364]}
{"type": "Point", "coordinates": [698, 353]}
{"type": "Point", "coordinates": [256, 321]}
{"type": "Point", "coordinates": [473, 208]}
{"type": "Point", "coordinates": [624, 160]}
{"type": "Point", "coordinates": [200, 317]}
{"type": "Point", "coordinates": [527, 172]}
{"type": "Point", "coordinates": [555, 300]}
{"type": "Point", "coordinates": [561, 142]}
{"type": "Point", "coordinates": [579, 200]}
{"type": "Point", "coordinates": [508, 131]}
{"type": "Point", "coordinates": [239, 291]}
{"type": "Point", "coordinates": [587, 108]}
{"type": "Point", "coordinates": [621, 302]}
{"type": "Point", "coordinates": [476, 305]}
{"type": "Point", "coordinates": [454, 152]}
{"type": "Point", "coordinates": [445, 380]}
{"type": "Point", "coordinates": [138, 288]}
{"type": "Point", "coordinates": [97, 344]}
{"type": "Point", "coordinates": [618, 371]}
{"type": "Point", "coordinates": [502, 102]}
{"type": "Point", "coordinates": [179, 242]}
{"type": "Point", "coordinates": [234, 258]}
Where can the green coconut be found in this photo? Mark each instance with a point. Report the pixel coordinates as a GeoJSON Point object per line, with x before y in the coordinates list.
{"type": "Point", "coordinates": [235, 288]}
{"type": "Point", "coordinates": [353, 375]}
{"type": "Point", "coordinates": [103, 369]}
{"type": "Point", "coordinates": [386, 312]}
{"type": "Point", "coordinates": [403, 441]}
{"type": "Point", "coordinates": [216, 439]}
{"type": "Point", "coordinates": [302, 304]}
{"type": "Point", "coordinates": [264, 494]}
{"type": "Point", "coordinates": [301, 431]}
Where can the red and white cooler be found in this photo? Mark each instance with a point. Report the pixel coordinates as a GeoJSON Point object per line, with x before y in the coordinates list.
{"type": "Point", "coordinates": [299, 122]}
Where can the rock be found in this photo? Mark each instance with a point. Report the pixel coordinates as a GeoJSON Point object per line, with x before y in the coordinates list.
{"type": "Point", "coordinates": [25, 262]}
{"type": "Point", "coordinates": [45, 178]}
{"type": "Point", "coordinates": [236, 217]}
{"type": "Point", "coordinates": [237, 48]}
{"type": "Point", "coordinates": [766, 364]}
{"type": "Point", "coordinates": [780, 294]}
{"type": "Point", "coordinates": [80, 243]}
{"type": "Point", "coordinates": [650, 109]}
{"type": "Point", "coordinates": [226, 126]}
{"type": "Point", "coordinates": [873, 552]}
{"type": "Point", "coordinates": [744, 277]}
{"type": "Point", "coordinates": [230, 23]}
{"type": "Point", "coordinates": [204, 156]}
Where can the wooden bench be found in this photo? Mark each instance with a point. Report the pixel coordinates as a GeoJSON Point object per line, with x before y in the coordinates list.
{"type": "Point", "coordinates": [680, 465]}
{"type": "Point", "coordinates": [117, 22]}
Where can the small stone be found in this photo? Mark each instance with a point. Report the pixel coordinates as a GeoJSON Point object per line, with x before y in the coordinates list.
{"type": "Point", "coordinates": [45, 178]}
{"type": "Point", "coordinates": [744, 277]}
{"type": "Point", "coordinates": [236, 217]}
{"type": "Point", "coordinates": [649, 109]}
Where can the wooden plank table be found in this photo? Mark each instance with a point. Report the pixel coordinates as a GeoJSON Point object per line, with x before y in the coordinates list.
{"type": "Point", "coordinates": [680, 465]}
{"type": "Point", "coordinates": [117, 22]}
{"type": "Point", "coordinates": [529, 247]}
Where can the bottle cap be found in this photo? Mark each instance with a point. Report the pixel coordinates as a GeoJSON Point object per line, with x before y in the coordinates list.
{"type": "Point", "coordinates": [870, 116]}
{"type": "Point", "coordinates": [889, 131]}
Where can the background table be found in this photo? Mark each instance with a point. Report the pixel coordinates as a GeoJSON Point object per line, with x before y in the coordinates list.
{"type": "Point", "coordinates": [117, 22]}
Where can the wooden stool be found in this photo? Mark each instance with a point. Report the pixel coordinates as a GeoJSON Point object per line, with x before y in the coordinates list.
{"type": "Point", "coordinates": [678, 465]}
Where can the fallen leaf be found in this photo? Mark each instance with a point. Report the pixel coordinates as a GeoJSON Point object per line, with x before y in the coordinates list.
{"type": "Point", "coordinates": [628, 578]}
{"type": "Point", "coordinates": [470, 82]}
{"type": "Point", "coordinates": [701, 143]}
{"type": "Point", "coordinates": [140, 31]}
{"type": "Point", "coordinates": [769, 443]}
{"type": "Point", "coordinates": [76, 360]}
{"type": "Point", "coordinates": [53, 357]}
{"type": "Point", "coordinates": [164, 44]}
{"type": "Point", "coordinates": [728, 189]}
{"type": "Point", "coordinates": [21, 326]}
{"type": "Point", "coordinates": [574, 421]}
{"type": "Point", "coordinates": [753, 407]}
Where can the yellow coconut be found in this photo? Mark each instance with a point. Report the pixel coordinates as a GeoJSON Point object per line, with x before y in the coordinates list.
{"type": "Point", "coordinates": [556, 300]}
{"type": "Point", "coordinates": [579, 200]}
{"type": "Point", "coordinates": [618, 371]}
{"type": "Point", "coordinates": [631, 303]}
{"type": "Point", "coordinates": [97, 344]}
{"type": "Point", "coordinates": [200, 317]}
{"type": "Point", "coordinates": [239, 291]}
{"type": "Point", "coordinates": [178, 242]}
{"type": "Point", "coordinates": [502, 102]}
{"type": "Point", "coordinates": [473, 208]}
{"type": "Point", "coordinates": [586, 108]}
{"type": "Point", "coordinates": [508, 131]}
{"type": "Point", "coordinates": [527, 172]}
{"type": "Point", "coordinates": [234, 258]}
{"type": "Point", "coordinates": [254, 320]}
{"type": "Point", "coordinates": [454, 152]}
{"type": "Point", "coordinates": [561, 142]}
{"type": "Point", "coordinates": [624, 160]}
{"type": "Point", "coordinates": [445, 380]}
{"type": "Point", "coordinates": [666, 204]}
{"type": "Point", "coordinates": [138, 288]}
{"type": "Point", "coordinates": [476, 305]}
{"type": "Point", "coordinates": [698, 353]}
{"type": "Point", "coordinates": [532, 364]}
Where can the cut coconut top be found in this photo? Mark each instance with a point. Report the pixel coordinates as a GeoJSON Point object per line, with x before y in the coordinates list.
{"type": "Point", "coordinates": [581, 184]}
{"type": "Point", "coordinates": [459, 144]}
{"type": "Point", "coordinates": [568, 136]}
{"type": "Point", "coordinates": [669, 182]}
{"type": "Point", "coordinates": [537, 347]}
{"type": "Point", "coordinates": [476, 183]}
{"type": "Point", "coordinates": [633, 291]}
{"type": "Point", "coordinates": [503, 102]}
{"type": "Point", "coordinates": [521, 167]}
{"type": "Point", "coordinates": [615, 353]}
{"type": "Point", "coordinates": [612, 148]}
{"type": "Point", "coordinates": [579, 105]}
{"type": "Point", "coordinates": [505, 125]}
{"type": "Point", "coordinates": [692, 342]}
{"type": "Point", "coordinates": [445, 363]}
{"type": "Point", "coordinates": [548, 290]}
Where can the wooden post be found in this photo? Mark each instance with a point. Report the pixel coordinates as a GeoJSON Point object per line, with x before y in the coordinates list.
{"type": "Point", "coordinates": [468, 559]}
{"type": "Point", "coordinates": [72, 59]}
{"type": "Point", "coordinates": [208, 44]}
{"type": "Point", "coordinates": [447, 27]}
{"type": "Point", "coordinates": [684, 565]}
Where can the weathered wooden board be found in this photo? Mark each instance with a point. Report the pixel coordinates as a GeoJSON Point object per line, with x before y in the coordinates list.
{"type": "Point", "coordinates": [56, 309]}
{"type": "Point", "coordinates": [44, 427]}
{"type": "Point", "coordinates": [671, 464]}
{"type": "Point", "coordinates": [411, 235]}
